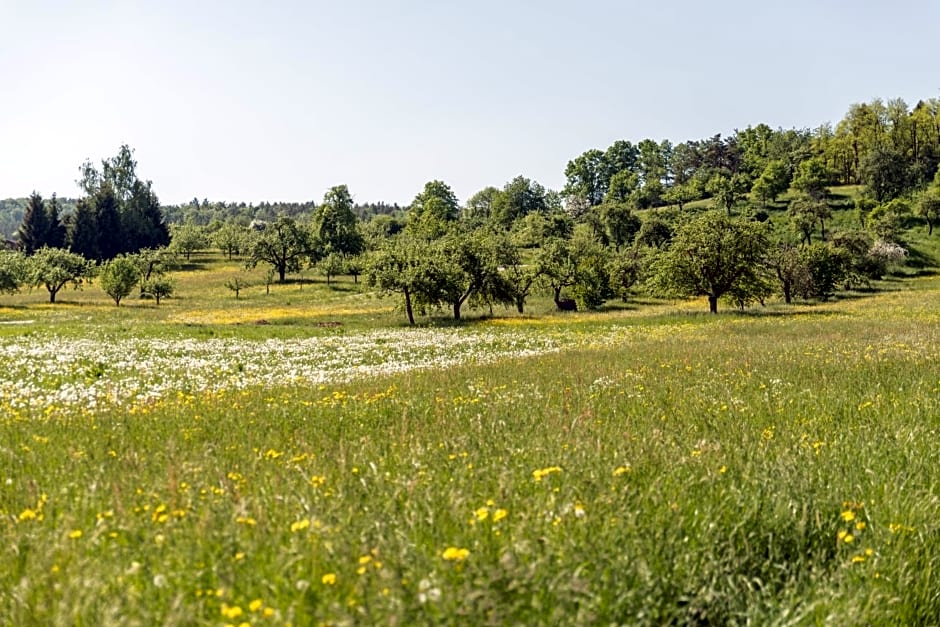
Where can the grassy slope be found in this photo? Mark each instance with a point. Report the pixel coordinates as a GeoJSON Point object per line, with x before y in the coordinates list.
{"type": "Point", "coordinates": [775, 467]}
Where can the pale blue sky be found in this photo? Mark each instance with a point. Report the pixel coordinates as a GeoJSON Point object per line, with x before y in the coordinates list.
{"type": "Point", "coordinates": [250, 101]}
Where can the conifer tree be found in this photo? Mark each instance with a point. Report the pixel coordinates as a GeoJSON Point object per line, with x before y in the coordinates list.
{"type": "Point", "coordinates": [55, 235]}
{"type": "Point", "coordinates": [35, 226]}
{"type": "Point", "coordinates": [83, 232]}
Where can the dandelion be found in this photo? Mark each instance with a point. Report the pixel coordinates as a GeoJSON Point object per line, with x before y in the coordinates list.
{"type": "Point", "coordinates": [76, 534]}
{"type": "Point", "coordinates": [499, 514]}
{"type": "Point", "coordinates": [848, 515]}
{"type": "Point", "coordinates": [27, 514]}
{"type": "Point", "coordinates": [621, 470]}
{"type": "Point", "coordinates": [255, 605]}
{"type": "Point", "coordinates": [300, 525]}
{"type": "Point", "coordinates": [541, 473]}
{"type": "Point", "coordinates": [453, 554]}
{"type": "Point", "coordinates": [231, 611]}
{"type": "Point", "coordinates": [329, 579]}
{"type": "Point", "coordinates": [482, 514]}
{"type": "Point", "coordinates": [246, 520]}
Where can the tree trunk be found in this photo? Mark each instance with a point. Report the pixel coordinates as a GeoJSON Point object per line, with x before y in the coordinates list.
{"type": "Point", "coordinates": [408, 308]}
{"type": "Point", "coordinates": [282, 271]}
{"type": "Point", "coordinates": [457, 304]}
{"type": "Point", "coordinates": [712, 304]}
{"type": "Point", "coordinates": [557, 296]}
{"type": "Point", "coordinates": [520, 304]}
{"type": "Point", "coordinates": [787, 296]}
{"type": "Point", "coordinates": [929, 227]}
{"type": "Point", "coordinates": [52, 295]}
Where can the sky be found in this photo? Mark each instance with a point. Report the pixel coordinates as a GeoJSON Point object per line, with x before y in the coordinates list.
{"type": "Point", "coordinates": [280, 100]}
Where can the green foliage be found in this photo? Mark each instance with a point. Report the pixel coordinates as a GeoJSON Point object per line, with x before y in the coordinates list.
{"type": "Point", "coordinates": [433, 210]}
{"type": "Point", "coordinates": [406, 265]}
{"type": "Point", "coordinates": [231, 239]}
{"type": "Point", "coordinates": [34, 230]}
{"type": "Point", "coordinates": [812, 179]}
{"type": "Point", "coordinates": [53, 268]}
{"type": "Point", "coordinates": [335, 226]}
{"type": "Point", "coordinates": [826, 265]}
{"type": "Point", "coordinates": [158, 287]}
{"type": "Point", "coordinates": [13, 268]}
{"type": "Point", "coordinates": [283, 244]}
{"type": "Point", "coordinates": [119, 276]}
{"type": "Point", "coordinates": [711, 255]}
{"type": "Point", "coordinates": [332, 265]}
{"type": "Point", "coordinates": [518, 198]}
{"type": "Point", "coordinates": [237, 283]}
{"type": "Point", "coordinates": [187, 239]}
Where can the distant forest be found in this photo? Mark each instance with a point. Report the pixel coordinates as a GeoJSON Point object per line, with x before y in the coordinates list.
{"type": "Point", "coordinates": [887, 146]}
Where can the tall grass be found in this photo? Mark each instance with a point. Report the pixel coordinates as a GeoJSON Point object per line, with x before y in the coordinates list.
{"type": "Point", "coordinates": [655, 469]}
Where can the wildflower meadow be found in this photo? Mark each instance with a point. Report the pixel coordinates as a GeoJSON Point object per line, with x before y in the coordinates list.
{"type": "Point", "coordinates": [647, 466]}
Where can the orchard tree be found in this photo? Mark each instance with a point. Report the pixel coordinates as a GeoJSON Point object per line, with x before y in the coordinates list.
{"type": "Point", "coordinates": [13, 267]}
{"type": "Point", "coordinates": [406, 265]}
{"type": "Point", "coordinates": [812, 178]}
{"type": "Point", "coordinates": [283, 244]}
{"type": "Point", "coordinates": [710, 256]}
{"type": "Point", "coordinates": [119, 276]}
{"type": "Point", "coordinates": [188, 238]}
{"type": "Point", "coordinates": [471, 269]}
{"type": "Point", "coordinates": [231, 239]}
{"type": "Point", "coordinates": [55, 267]}
{"type": "Point", "coordinates": [928, 207]}
{"type": "Point", "coordinates": [157, 287]}
{"type": "Point", "coordinates": [332, 265]}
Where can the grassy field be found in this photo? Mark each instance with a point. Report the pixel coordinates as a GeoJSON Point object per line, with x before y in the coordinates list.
{"type": "Point", "coordinates": [302, 457]}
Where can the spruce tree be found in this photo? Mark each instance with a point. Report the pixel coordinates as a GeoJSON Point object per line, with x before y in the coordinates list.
{"type": "Point", "coordinates": [83, 234]}
{"type": "Point", "coordinates": [55, 235]}
{"type": "Point", "coordinates": [35, 226]}
{"type": "Point", "coordinates": [108, 221]}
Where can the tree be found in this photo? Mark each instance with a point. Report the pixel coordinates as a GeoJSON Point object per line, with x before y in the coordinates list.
{"type": "Point", "coordinates": [158, 287]}
{"type": "Point", "coordinates": [83, 231]}
{"type": "Point", "coordinates": [118, 277]}
{"type": "Point", "coordinates": [812, 178]}
{"type": "Point", "coordinates": [187, 239]}
{"type": "Point", "coordinates": [55, 267]}
{"type": "Point", "coordinates": [111, 237]}
{"type": "Point", "coordinates": [480, 206]}
{"type": "Point", "coordinates": [34, 230]}
{"type": "Point", "coordinates": [588, 177]}
{"type": "Point", "coordinates": [826, 267]}
{"type": "Point", "coordinates": [332, 265]}
{"type": "Point", "coordinates": [624, 271]}
{"type": "Point", "coordinates": [788, 266]}
{"type": "Point", "coordinates": [142, 219]}
{"type": "Point", "coordinates": [237, 283]}
{"type": "Point", "coordinates": [620, 224]}
{"type": "Point", "coordinates": [805, 211]}
{"type": "Point", "coordinates": [710, 255]}
{"type": "Point", "coordinates": [13, 267]}
{"type": "Point", "coordinates": [882, 170]}
{"type": "Point", "coordinates": [284, 244]}
{"type": "Point", "coordinates": [433, 210]}
{"type": "Point", "coordinates": [579, 263]}
{"type": "Point", "coordinates": [471, 270]}
{"type": "Point", "coordinates": [231, 239]}
{"type": "Point", "coordinates": [335, 226]}
{"type": "Point", "coordinates": [517, 199]}
{"type": "Point", "coordinates": [405, 265]}
{"type": "Point", "coordinates": [928, 207]}
{"type": "Point", "coordinates": [56, 235]}
{"type": "Point", "coordinates": [655, 232]}
{"type": "Point", "coordinates": [726, 190]}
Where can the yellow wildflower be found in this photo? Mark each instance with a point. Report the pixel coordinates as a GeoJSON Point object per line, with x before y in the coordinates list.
{"type": "Point", "coordinates": [300, 525]}
{"type": "Point", "coordinates": [76, 534]}
{"type": "Point", "coordinates": [255, 605]}
{"type": "Point", "coordinates": [499, 514]}
{"type": "Point", "coordinates": [541, 473]}
{"type": "Point", "coordinates": [328, 579]}
{"type": "Point", "coordinates": [453, 554]}
{"type": "Point", "coordinates": [848, 515]}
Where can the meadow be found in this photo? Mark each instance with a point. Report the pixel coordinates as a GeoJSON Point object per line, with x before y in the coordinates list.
{"type": "Point", "coordinates": [302, 457]}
